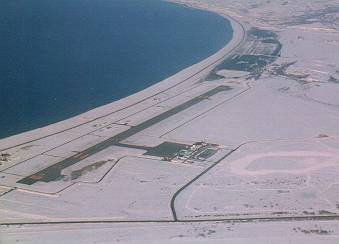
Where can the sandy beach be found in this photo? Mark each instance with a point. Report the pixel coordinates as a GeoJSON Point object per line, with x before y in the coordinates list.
{"type": "Point", "coordinates": [173, 84]}
{"type": "Point", "coordinates": [239, 148]}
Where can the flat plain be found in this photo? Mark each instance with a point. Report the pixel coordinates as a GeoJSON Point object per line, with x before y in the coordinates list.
{"type": "Point", "coordinates": [240, 148]}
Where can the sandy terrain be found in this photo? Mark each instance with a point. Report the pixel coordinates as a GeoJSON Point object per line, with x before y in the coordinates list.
{"type": "Point", "coordinates": [249, 143]}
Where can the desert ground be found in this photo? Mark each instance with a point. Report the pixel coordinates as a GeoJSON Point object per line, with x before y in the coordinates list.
{"type": "Point", "coordinates": [242, 147]}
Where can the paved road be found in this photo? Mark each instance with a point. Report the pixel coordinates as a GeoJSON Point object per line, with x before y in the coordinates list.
{"type": "Point", "coordinates": [53, 172]}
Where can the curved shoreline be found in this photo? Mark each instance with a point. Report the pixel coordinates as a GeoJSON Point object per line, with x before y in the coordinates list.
{"type": "Point", "coordinates": [187, 76]}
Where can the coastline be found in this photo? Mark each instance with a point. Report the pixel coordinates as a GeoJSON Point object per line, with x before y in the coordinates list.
{"type": "Point", "coordinates": [184, 78]}
{"type": "Point", "coordinates": [224, 158]}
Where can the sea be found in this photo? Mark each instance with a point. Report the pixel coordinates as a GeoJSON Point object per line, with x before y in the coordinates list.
{"type": "Point", "coordinates": [60, 58]}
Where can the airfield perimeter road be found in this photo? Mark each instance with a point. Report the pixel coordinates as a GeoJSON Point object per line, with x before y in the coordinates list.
{"type": "Point", "coordinates": [54, 172]}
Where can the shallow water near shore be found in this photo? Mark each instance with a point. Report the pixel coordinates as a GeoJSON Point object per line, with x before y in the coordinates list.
{"type": "Point", "coordinates": [62, 58]}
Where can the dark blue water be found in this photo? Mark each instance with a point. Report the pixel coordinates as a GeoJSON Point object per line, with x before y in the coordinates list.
{"type": "Point", "coordinates": [59, 58]}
